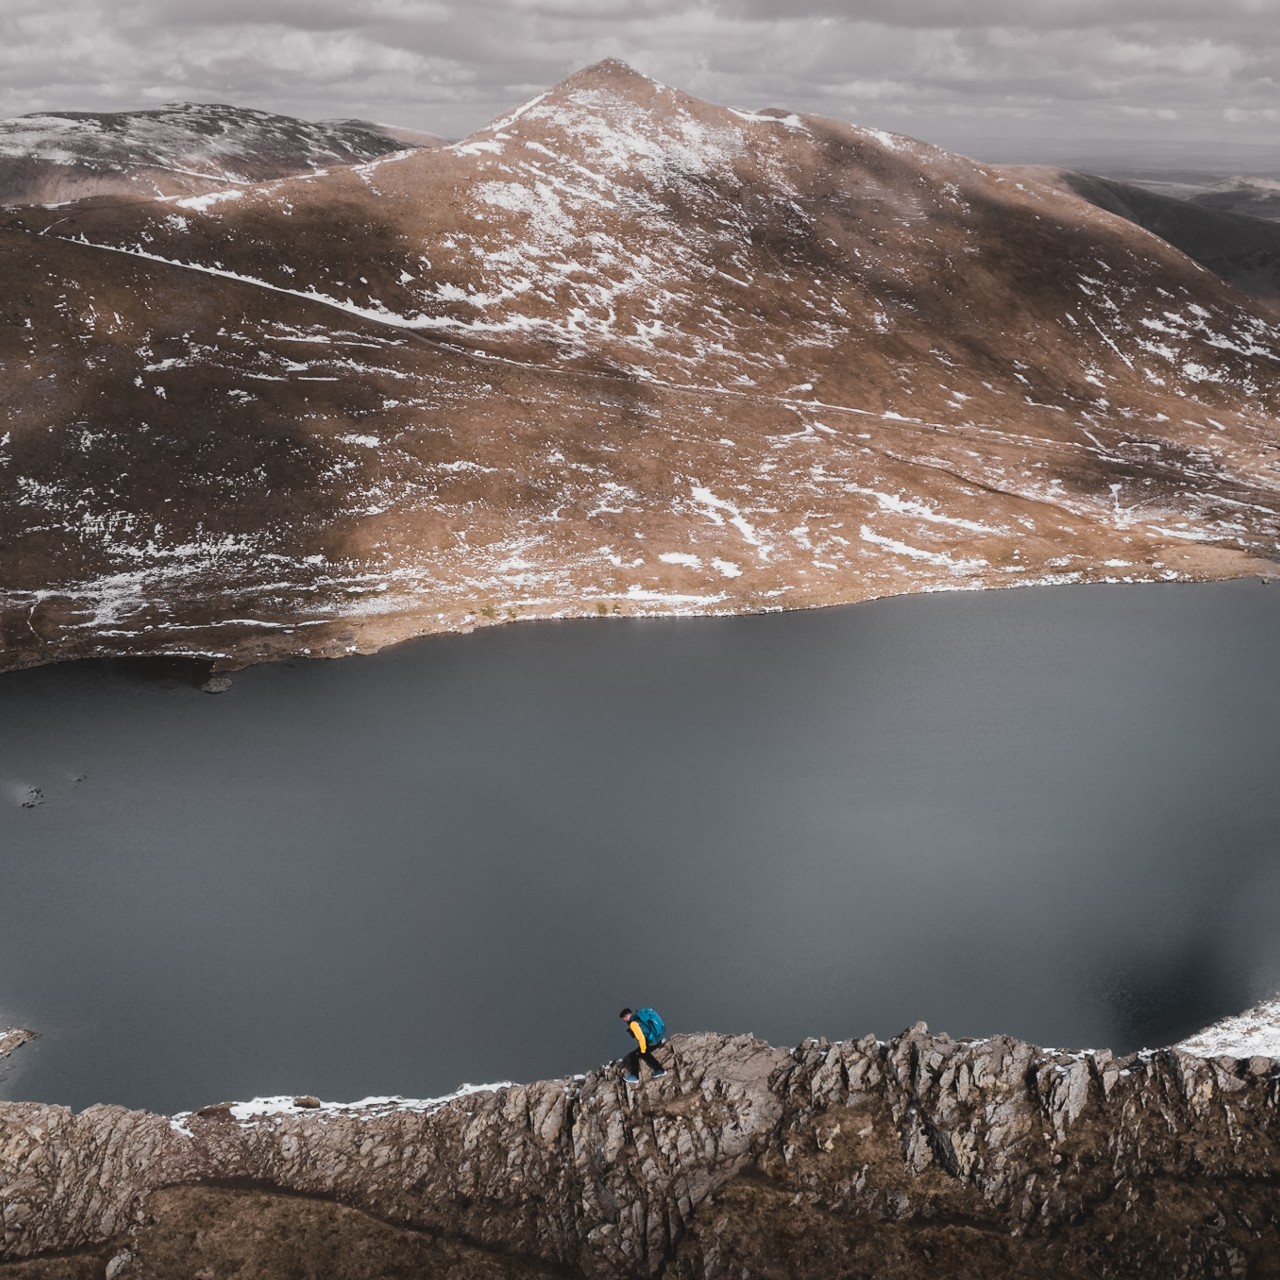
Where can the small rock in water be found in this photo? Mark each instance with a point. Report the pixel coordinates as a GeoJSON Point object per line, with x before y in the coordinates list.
{"type": "Point", "coordinates": [32, 797]}
{"type": "Point", "coordinates": [217, 684]}
{"type": "Point", "coordinates": [14, 1038]}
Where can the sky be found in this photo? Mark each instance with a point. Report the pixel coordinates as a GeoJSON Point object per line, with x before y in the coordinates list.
{"type": "Point", "coordinates": [1001, 79]}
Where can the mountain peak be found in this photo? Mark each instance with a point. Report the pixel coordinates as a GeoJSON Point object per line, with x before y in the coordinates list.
{"type": "Point", "coordinates": [610, 77]}
{"type": "Point", "coordinates": [613, 75]}
{"type": "Point", "coordinates": [613, 69]}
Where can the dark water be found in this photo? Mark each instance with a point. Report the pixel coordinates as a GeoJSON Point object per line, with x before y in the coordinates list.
{"type": "Point", "coordinates": [1050, 812]}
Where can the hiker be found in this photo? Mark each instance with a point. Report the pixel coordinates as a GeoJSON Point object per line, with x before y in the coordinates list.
{"type": "Point", "coordinates": [648, 1028]}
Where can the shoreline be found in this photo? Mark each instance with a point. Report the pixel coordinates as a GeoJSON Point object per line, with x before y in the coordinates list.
{"type": "Point", "coordinates": [341, 636]}
{"type": "Point", "coordinates": [1250, 1036]}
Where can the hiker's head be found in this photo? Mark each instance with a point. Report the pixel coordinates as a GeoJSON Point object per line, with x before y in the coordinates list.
{"type": "Point", "coordinates": [626, 1013]}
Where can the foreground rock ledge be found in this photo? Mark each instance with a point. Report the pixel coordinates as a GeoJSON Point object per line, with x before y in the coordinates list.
{"type": "Point", "coordinates": [922, 1155]}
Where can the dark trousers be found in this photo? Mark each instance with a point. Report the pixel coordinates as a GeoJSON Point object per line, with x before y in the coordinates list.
{"type": "Point", "coordinates": [632, 1061]}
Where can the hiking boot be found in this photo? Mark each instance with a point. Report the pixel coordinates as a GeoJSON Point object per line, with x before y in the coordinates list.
{"type": "Point", "coordinates": [629, 1078]}
{"type": "Point", "coordinates": [661, 1071]}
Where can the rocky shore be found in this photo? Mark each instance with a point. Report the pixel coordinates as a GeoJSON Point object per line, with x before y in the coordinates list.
{"type": "Point", "coordinates": [919, 1155]}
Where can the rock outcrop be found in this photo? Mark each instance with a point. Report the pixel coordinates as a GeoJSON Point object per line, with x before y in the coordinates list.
{"type": "Point", "coordinates": [920, 1155]}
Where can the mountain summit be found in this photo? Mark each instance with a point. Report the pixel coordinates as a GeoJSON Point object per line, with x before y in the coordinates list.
{"type": "Point", "coordinates": [619, 351]}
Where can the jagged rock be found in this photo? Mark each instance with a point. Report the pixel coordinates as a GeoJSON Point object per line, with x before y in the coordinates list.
{"type": "Point", "coordinates": [920, 1155]}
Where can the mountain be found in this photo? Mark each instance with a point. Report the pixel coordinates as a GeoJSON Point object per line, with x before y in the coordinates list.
{"type": "Point", "coordinates": [1259, 197]}
{"type": "Point", "coordinates": [1257, 194]}
{"type": "Point", "coordinates": [1243, 250]}
{"type": "Point", "coordinates": [185, 148]}
{"type": "Point", "coordinates": [405, 137]}
{"type": "Point", "coordinates": [620, 351]}
{"type": "Point", "coordinates": [917, 1156]}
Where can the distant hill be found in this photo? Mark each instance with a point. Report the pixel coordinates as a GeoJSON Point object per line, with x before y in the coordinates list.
{"type": "Point", "coordinates": [1243, 250]}
{"type": "Point", "coordinates": [620, 351]}
{"type": "Point", "coordinates": [180, 149]}
{"type": "Point", "coordinates": [1257, 197]}
{"type": "Point", "coordinates": [406, 137]}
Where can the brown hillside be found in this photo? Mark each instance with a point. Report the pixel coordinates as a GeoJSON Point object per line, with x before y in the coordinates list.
{"type": "Point", "coordinates": [619, 351]}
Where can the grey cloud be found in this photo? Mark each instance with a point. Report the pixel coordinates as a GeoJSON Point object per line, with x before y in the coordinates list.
{"type": "Point", "coordinates": [1045, 15]}
{"type": "Point", "coordinates": [952, 73]}
{"type": "Point", "coordinates": [305, 15]}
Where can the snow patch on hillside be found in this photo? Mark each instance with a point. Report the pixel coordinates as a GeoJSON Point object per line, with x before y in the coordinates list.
{"type": "Point", "coordinates": [260, 1110]}
{"type": "Point", "coordinates": [202, 204]}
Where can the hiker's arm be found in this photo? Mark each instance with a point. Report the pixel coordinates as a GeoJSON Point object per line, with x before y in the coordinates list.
{"type": "Point", "coordinates": [635, 1029]}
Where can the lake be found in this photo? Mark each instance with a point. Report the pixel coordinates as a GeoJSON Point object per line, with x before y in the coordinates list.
{"type": "Point", "coordinates": [1049, 812]}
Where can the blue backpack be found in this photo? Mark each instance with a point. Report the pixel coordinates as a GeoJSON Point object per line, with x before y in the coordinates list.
{"type": "Point", "coordinates": [651, 1024]}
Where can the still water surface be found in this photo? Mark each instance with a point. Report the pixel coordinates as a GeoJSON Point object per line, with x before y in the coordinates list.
{"type": "Point", "coordinates": [1049, 812]}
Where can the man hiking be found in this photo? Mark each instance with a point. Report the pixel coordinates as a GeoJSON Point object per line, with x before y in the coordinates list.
{"type": "Point", "coordinates": [648, 1028]}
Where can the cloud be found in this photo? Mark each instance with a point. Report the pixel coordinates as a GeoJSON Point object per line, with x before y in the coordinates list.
{"type": "Point", "coordinates": [956, 74]}
{"type": "Point", "coordinates": [1044, 15]}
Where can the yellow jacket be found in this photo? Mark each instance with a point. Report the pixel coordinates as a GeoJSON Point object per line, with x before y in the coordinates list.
{"type": "Point", "coordinates": [636, 1030]}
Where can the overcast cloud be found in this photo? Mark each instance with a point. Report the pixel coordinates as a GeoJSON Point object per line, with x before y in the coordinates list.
{"type": "Point", "coordinates": [1009, 79]}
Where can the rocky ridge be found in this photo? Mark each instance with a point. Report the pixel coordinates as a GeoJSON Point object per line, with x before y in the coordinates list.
{"type": "Point", "coordinates": [856, 1158]}
{"type": "Point", "coordinates": [620, 351]}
